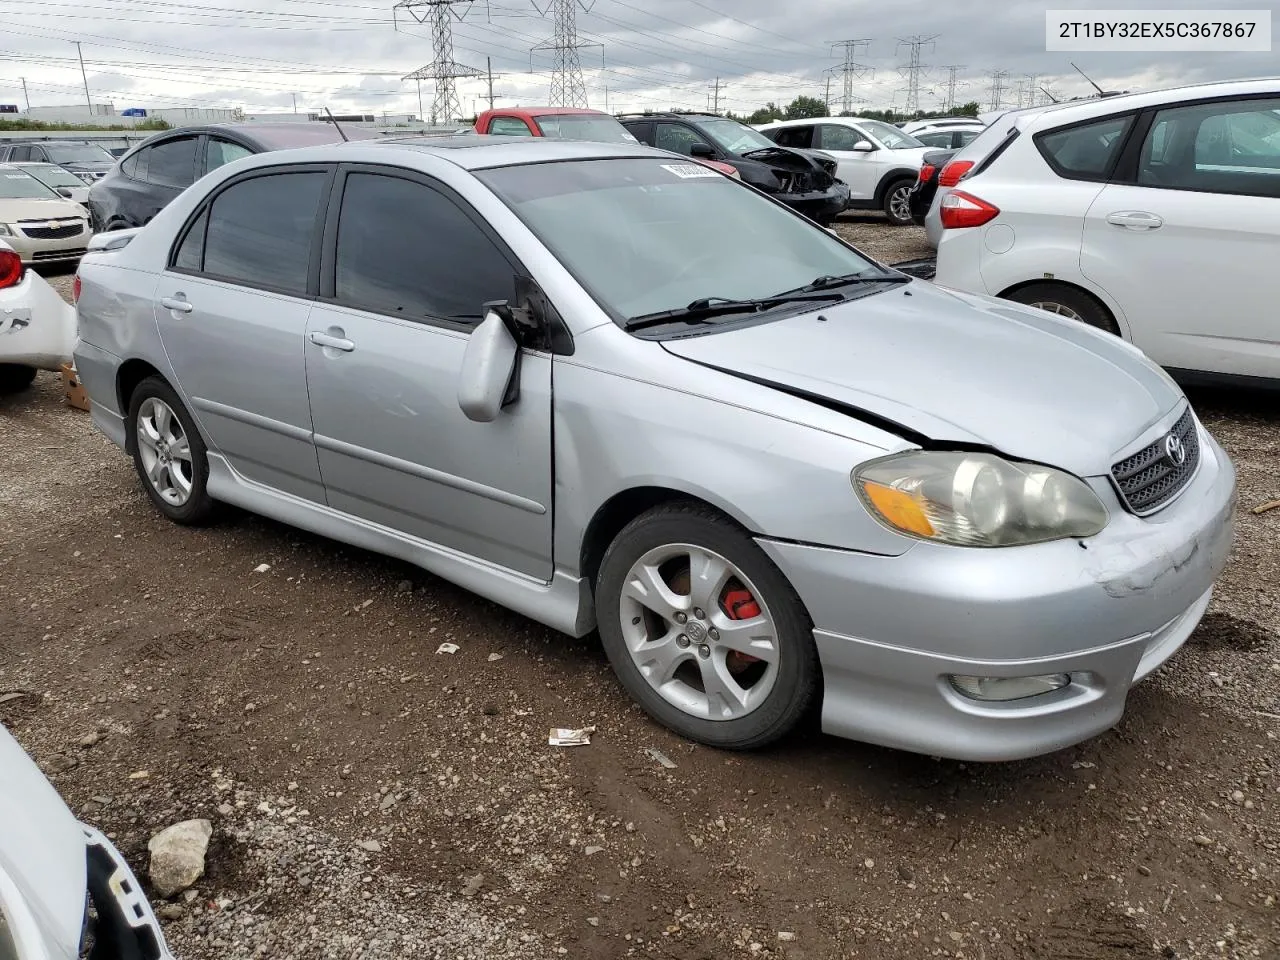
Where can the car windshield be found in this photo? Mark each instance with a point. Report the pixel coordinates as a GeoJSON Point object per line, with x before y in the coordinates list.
{"type": "Point", "coordinates": [584, 127]}
{"type": "Point", "coordinates": [76, 153]}
{"type": "Point", "coordinates": [733, 137]}
{"type": "Point", "coordinates": [646, 236]}
{"type": "Point", "coordinates": [54, 176]}
{"type": "Point", "coordinates": [16, 185]}
{"type": "Point", "coordinates": [889, 136]}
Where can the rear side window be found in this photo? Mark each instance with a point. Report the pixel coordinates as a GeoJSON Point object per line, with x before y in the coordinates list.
{"type": "Point", "coordinates": [135, 167]}
{"type": "Point", "coordinates": [1087, 151]}
{"type": "Point", "coordinates": [260, 231]}
{"type": "Point", "coordinates": [173, 163]}
{"type": "Point", "coordinates": [1227, 147]}
{"type": "Point", "coordinates": [509, 127]}
{"type": "Point", "coordinates": [221, 152]}
{"type": "Point", "coordinates": [801, 137]}
{"type": "Point", "coordinates": [190, 254]}
{"type": "Point", "coordinates": [409, 251]}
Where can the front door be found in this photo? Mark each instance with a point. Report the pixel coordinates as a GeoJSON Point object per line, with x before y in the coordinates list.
{"type": "Point", "coordinates": [860, 170]}
{"type": "Point", "coordinates": [232, 310]}
{"type": "Point", "coordinates": [411, 266]}
{"type": "Point", "coordinates": [1188, 245]}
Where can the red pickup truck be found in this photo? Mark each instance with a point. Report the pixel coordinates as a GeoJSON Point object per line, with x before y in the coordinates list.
{"type": "Point", "coordinates": [567, 123]}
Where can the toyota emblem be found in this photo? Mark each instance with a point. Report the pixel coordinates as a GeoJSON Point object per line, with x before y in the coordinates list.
{"type": "Point", "coordinates": [1174, 450]}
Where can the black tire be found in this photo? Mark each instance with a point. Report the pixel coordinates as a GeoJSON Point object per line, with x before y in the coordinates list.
{"type": "Point", "coordinates": [1068, 302]}
{"type": "Point", "coordinates": [14, 378]}
{"type": "Point", "coordinates": [798, 677]}
{"type": "Point", "coordinates": [199, 507]}
{"type": "Point", "coordinates": [897, 202]}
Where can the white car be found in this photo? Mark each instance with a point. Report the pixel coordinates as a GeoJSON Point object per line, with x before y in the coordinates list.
{"type": "Point", "coordinates": [878, 161]}
{"type": "Point", "coordinates": [37, 327]}
{"type": "Point", "coordinates": [917, 127]}
{"type": "Point", "coordinates": [1154, 216]}
{"type": "Point", "coordinates": [52, 868]}
{"type": "Point", "coordinates": [38, 222]}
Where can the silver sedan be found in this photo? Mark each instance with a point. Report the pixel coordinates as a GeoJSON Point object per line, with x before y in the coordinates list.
{"type": "Point", "coordinates": [617, 391]}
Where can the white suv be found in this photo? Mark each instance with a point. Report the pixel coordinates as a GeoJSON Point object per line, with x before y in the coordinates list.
{"type": "Point", "coordinates": [1154, 216]}
{"type": "Point", "coordinates": [878, 161]}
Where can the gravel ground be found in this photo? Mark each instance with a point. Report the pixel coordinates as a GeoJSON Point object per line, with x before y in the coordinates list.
{"type": "Point", "coordinates": [373, 798]}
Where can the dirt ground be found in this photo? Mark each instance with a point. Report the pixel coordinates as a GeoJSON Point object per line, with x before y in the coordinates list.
{"type": "Point", "coordinates": [373, 798]}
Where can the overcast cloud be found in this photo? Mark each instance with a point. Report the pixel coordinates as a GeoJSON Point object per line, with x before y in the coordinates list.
{"type": "Point", "coordinates": [656, 53]}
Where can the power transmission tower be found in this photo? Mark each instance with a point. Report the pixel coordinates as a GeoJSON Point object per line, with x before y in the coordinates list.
{"type": "Point", "coordinates": [713, 98]}
{"type": "Point", "coordinates": [998, 78]}
{"type": "Point", "coordinates": [1031, 88]}
{"type": "Point", "coordinates": [952, 69]}
{"type": "Point", "coordinates": [913, 70]}
{"type": "Point", "coordinates": [443, 69]}
{"type": "Point", "coordinates": [568, 89]}
{"type": "Point", "coordinates": [850, 71]}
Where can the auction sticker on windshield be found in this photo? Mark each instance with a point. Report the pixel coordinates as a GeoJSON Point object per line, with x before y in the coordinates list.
{"type": "Point", "coordinates": [687, 171]}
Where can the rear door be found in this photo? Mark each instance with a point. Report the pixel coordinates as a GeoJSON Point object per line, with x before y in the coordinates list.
{"type": "Point", "coordinates": [408, 267]}
{"type": "Point", "coordinates": [170, 167]}
{"type": "Point", "coordinates": [232, 310]}
{"type": "Point", "coordinates": [860, 170]}
{"type": "Point", "coordinates": [1189, 242]}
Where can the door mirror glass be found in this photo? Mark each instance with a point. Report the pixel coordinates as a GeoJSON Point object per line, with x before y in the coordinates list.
{"type": "Point", "coordinates": [65, 192]}
{"type": "Point", "coordinates": [703, 150]}
{"type": "Point", "coordinates": [489, 378]}
{"type": "Point", "coordinates": [864, 146]}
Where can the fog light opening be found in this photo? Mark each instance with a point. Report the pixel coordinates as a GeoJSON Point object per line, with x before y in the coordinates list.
{"type": "Point", "coordinates": [1000, 689]}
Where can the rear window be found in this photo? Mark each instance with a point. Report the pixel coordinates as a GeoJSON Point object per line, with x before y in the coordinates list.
{"type": "Point", "coordinates": [1087, 151]}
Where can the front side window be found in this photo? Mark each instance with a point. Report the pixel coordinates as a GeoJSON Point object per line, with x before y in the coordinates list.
{"type": "Point", "coordinates": [836, 136]}
{"type": "Point", "coordinates": [584, 126]}
{"type": "Point", "coordinates": [222, 152]}
{"type": "Point", "coordinates": [645, 236]}
{"type": "Point", "coordinates": [509, 127]}
{"type": "Point", "coordinates": [1231, 148]}
{"type": "Point", "coordinates": [260, 231]}
{"type": "Point", "coordinates": [173, 163]}
{"type": "Point", "coordinates": [889, 136]}
{"type": "Point", "coordinates": [1087, 151]}
{"type": "Point", "coordinates": [409, 251]}
{"type": "Point", "coordinates": [677, 138]}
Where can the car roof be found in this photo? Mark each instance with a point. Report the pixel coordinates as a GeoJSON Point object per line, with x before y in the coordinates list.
{"type": "Point", "coordinates": [1073, 110]}
{"type": "Point", "coordinates": [529, 113]}
{"type": "Point", "coordinates": [846, 121]}
{"type": "Point", "coordinates": [271, 136]}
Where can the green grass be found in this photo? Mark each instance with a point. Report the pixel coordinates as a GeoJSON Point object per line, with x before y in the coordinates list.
{"type": "Point", "coordinates": [37, 125]}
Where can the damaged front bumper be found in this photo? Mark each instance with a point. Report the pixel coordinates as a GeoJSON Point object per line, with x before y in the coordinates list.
{"type": "Point", "coordinates": [819, 205]}
{"type": "Point", "coordinates": [1105, 612]}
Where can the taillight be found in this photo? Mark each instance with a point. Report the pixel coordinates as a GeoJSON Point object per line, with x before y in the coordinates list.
{"type": "Point", "coordinates": [75, 289]}
{"type": "Point", "coordinates": [960, 209]}
{"type": "Point", "coordinates": [953, 171]}
{"type": "Point", "coordinates": [10, 269]}
{"type": "Point", "coordinates": [927, 172]}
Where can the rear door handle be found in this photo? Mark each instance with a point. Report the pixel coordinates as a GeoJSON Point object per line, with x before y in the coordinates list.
{"type": "Point", "coordinates": [1135, 220]}
{"type": "Point", "coordinates": [332, 342]}
{"type": "Point", "coordinates": [178, 303]}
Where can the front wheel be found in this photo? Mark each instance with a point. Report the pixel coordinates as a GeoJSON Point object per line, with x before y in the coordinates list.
{"type": "Point", "coordinates": [14, 378]}
{"type": "Point", "coordinates": [897, 202]}
{"type": "Point", "coordinates": [704, 631]}
{"type": "Point", "coordinates": [169, 454]}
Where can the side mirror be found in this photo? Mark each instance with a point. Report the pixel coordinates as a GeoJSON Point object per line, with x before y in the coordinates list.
{"type": "Point", "coordinates": [489, 379]}
{"type": "Point", "coordinates": [65, 192]}
{"type": "Point", "coordinates": [702, 150]}
{"type": "Point", "coordinates": [864, 146]}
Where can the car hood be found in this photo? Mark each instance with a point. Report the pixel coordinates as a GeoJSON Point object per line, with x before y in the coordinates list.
{"type": "Point", "coordinates": [42, 848]}
{"type": "Point", "coordinates": [944, 368]}
{"type": "Point", "coordinates": [40, 209]}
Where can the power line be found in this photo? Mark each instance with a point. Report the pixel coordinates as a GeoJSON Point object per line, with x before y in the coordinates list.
{"type": "Point", "coordinates": [568, 88]}
{"type": "Point", "coordinates": [443, 69]}
{"type": "Point", "coordinates": [849, 70]}
{"type": "Point", "coordinates": [913, 70]}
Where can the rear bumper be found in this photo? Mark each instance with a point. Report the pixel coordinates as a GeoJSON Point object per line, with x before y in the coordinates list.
{"type": "Point", "coordinates": [37, 327]}
{"type": "Point", "coordinates": [127, 928]}
{"type": "Point", "coordinates": [98, 370]}
{"type": "Point", "coordinates": [921, 200]}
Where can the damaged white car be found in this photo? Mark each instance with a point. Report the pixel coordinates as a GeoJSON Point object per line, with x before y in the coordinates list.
{"type": "Point", "coordinates": [37, 327]}
{"type": "Point", "coordinates": [65, 891]}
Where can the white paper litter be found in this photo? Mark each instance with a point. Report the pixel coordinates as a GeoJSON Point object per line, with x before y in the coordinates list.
{"type": "Point", "coordinates": [661, 757]}
{"type": "Point", "coordinates": [562, 737]}
{"type": "Point", "coordinates": [448, 648]}
{"type": "Point", "coordinates": [262, 568]}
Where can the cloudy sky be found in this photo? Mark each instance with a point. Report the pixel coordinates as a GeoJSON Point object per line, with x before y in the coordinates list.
{"type": "Point", "coordinates": [346, 54]}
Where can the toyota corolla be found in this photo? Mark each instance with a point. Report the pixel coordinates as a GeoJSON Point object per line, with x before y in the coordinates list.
{"type": "Point", "coordinates": [571, 378]}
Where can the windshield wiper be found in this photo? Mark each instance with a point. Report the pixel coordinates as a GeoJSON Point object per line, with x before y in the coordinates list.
{"type": "Point", "coordinates": [708, 308]}
{"type": "Point", "coordinates": [828, 282]}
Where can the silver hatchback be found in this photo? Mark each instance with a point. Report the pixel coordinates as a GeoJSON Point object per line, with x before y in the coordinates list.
{"type": "Point", "coordinates": [615, 390]}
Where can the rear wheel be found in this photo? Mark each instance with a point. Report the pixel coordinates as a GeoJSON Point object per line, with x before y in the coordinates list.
{"type": "Point", "coordinates": [897, 202]}
{"type": "Point", "coordinates": [704, 631]}
{"type": "Point", "coordinates": [1068, 302]}
{"type": "Point", "coordinates": [14, 377]}
{"type": "Point", "coordinates": [169, 454]}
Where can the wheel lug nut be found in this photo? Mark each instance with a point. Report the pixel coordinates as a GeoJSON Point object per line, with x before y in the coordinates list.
{"type": "Point", "coordinates": [698, 613]}
{"type": "Point", "coordinates": [704, 651]}
{"type": "Point", "coordinates": [713, 633]}
{"type": "Point", "coordinates": [682, 641]}
{"type": "Point", "coordinates": [682, 617]}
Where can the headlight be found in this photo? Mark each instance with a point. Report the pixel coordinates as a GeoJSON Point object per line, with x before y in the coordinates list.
{"type": "Point", "coordinates": [6, 230]}
{"type": "Point", "coordinates": [977, 499]}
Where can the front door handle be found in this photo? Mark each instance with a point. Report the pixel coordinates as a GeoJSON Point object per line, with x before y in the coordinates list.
{"type": "Point", "coordinates": [177, 303]}
{"type": "Point", "coordinates": [1135, 220]}
{"type": "Point", "coordinates": [332, 341]}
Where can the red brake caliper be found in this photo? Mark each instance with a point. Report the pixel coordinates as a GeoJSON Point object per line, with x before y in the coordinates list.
{"type": "Point", "coordinates": [740, 605]}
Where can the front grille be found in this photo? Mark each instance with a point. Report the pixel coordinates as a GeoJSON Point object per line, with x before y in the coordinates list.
{"type": "Point", "coordinates": [59, 254]}
{"type": "Point", "coordinates": [69, 228]}
{"type": "Point", "coordinates": [1152, 477]}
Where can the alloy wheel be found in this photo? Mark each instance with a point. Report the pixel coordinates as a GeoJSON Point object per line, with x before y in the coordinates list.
{"type": "Point", "coordinates": [699, 632]}
{"type": "Point", "coordinates": [165, 452]}
{"type": "Point", "coordinates": [900, 204]}
{"type": "Point", "coordinates": [1060, 309]}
